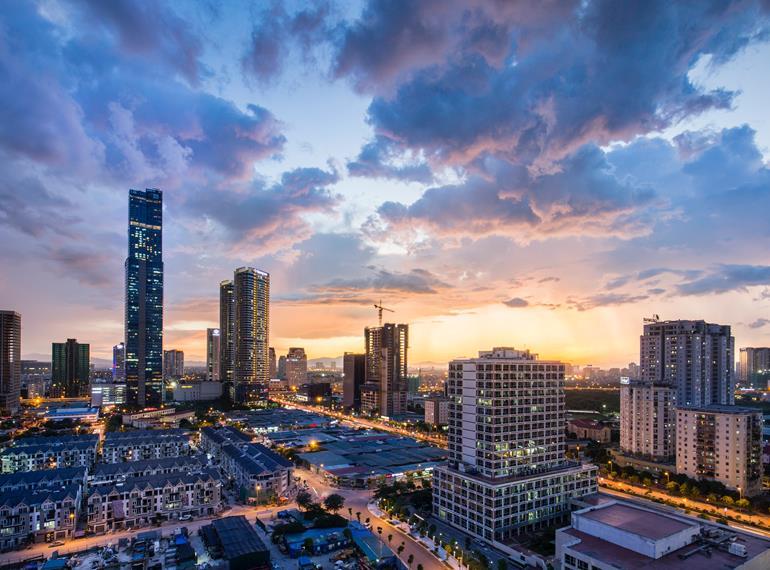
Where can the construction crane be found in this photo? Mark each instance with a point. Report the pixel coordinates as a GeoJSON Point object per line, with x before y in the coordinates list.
{"type": "Point", "coordinates": [380, 308]}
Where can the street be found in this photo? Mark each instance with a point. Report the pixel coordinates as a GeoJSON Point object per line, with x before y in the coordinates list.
{"type": "Point", "coordinates": [357, 500]}
{"type": "Point", "coordinates": [85, 543]}
{"type": "Point", "coordinates": [362, 422]}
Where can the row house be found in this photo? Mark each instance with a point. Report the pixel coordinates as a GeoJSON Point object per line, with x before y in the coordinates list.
{"type": "Point", "coordinates": [42, 515]}
{"type": "Point", "coordinates": [143, 501]}
{"type": "Point", "coordinates": [213, 440]}
{"type": "Point", "coordinates": [51, 454]}
{"type": "Point", "coordinates": [258, 474]}
{"type": "Point", "coordinates": [44, 479]}
{"type": "Point", "coordinates": [108, 473]}
{"type": "Point", "coordinates": [142, 445]}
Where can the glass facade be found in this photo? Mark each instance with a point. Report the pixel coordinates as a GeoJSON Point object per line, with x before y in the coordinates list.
{"type": "Point", "coordinates": [144, 298]}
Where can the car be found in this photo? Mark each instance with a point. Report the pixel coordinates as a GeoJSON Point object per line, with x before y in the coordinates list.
{"type": "Point", "coordinates": [185, 517]}
{"type": "Point", "coordinates": [55, 544]}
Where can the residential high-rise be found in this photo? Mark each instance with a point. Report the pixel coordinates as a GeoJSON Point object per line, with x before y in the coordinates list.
{"type": "Point", "coordinates": [754, 367]}
{"type": "Point", "coordinates": [144, 298]}
{"type": "Point", "coordinates": [119, 362]}
{"type": "Point", "coordinates": [70, 369]}
{"type": "Point", "coordinates": [35, 378]}
{"type": "Point", "coordinates": [436, 411]}
{"type": "Point", "coordinates": [213, 352]}
{"type": "Point", "coordinates": [226, 331]}
{"type": "Point", "coordinates": [296, 367]}
{"type": "Point", "coordinates": [648, 420]}
{"type": "Point", "coordinates": [251, 295]}
{"type": "Point", "coordinates": [386, 366]}
{"type": "Point", "coordinates": [507, 472]}
{"type": "Point", "coordinates": [273, 363]}
{"type": "Point", "coordinates": [721, 443]}
{"type": "Point", "coordinates": [695, 357]}
{"type": "Point", "coordinates": [10, 362]}
{"type": "Point", "coordinates": [173, 364]}
{"type": "Point", "coordinates": [354, 371]}
{"type": "Point", "coordinates": [281, 372]}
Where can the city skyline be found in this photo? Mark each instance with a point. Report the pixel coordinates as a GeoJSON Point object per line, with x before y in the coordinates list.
{"type": "Point", "coordinates": [554, 217]}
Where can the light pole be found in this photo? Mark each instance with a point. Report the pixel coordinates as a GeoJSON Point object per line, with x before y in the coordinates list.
{"type": "Point", "coordinates": [668, 477]}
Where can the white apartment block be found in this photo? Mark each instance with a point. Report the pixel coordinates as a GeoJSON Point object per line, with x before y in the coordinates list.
{"type": "Point", "coordinates": [506, 473]}
{"type": "Point", "coordinates": [721, 443]}
{"type": "Point", "coordinates": [648, 420]}
{"type": "Point", "coordinates": [436, 411]}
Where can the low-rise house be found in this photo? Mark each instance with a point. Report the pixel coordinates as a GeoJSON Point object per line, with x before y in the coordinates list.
{"type": "Point", "coordinates": [258, 473]}
{"type": "Point", "coordinates": [142, 501]}
{"type": "Point", "coordinates": [145, 444]}
{"type": "Point", "coordinates": [44, 479]}
{"type": "Point", "coordinates": [214, 439]}
{"type": "Point", "coordinates": [590, 429]}
{"type": "Point", "coordinates": [37, 453]}
{"type": "Point", "coordinates": [41, 515]}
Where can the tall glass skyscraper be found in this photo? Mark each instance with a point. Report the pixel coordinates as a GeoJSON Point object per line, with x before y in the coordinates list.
{"type": "Point", "coordinates": [251, 367]}
{"type": "Point", "coordinates": [227, 332]}
{"type": "Point", "coordinates": [144, 298]}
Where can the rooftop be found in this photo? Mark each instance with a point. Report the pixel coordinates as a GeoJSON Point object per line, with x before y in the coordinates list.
{"type": "Point", "coordinates": [237, 537]}
{"type": "Point", "coordinates": [641, 522]}
{"type": "Point", "coordinates": [722, 409]}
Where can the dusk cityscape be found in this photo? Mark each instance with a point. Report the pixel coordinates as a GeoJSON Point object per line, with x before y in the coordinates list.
{"type": "Point", "coordinates": [384, 284]}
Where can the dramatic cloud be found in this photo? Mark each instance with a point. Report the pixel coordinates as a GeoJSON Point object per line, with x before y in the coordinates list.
{"type": "Point", "coordinates": [149, 30]}
{"type": "Point", "coordinates": [516, 302]}
{"type": "Point", "coordinates": [583, 197]}
{"type": "Point", "coordinates": [378, 159]}
{"type": "Point", "coordinates": [417, 281]}
{"type": "Point", "coordinates": [604, 300]}
{"type": "Point", "coordinates": [267, 218]}
{"type": "Point", "coordinates": [276, 31]}
{"type": "Point", "coordinates": [727, 278]}
{"type": "Point", "coordinates": [462, 79]}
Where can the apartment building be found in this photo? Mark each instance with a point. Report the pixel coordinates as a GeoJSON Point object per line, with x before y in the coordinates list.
{"type": "Point", "coordinates": [721, 443]}
{"type": "Point", "coordinates": [507, 473]}
{"type": "Point", "coordinates": [43, 479]}
{"type": "Point", "coordinates": [648, 420]}
{"type": "Point", "coordinates": [436, 411]}
{"type": "Point", "coordinates": [214, 439]}
{"type": "Point", "coordinates": [143, 501]}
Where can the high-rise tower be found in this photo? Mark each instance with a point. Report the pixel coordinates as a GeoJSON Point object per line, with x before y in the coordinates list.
{"type": "Point", "coordinates": [213, 351]}
{"type": "Point", "coordinates": [251, 367]}
{"type": "Point", "coordinates": [10, 362]}
{"type": "Point", "coordinates": [70, 369]}
{"type": "Point", "coordinates": [386, 366]}
{"type": "Point", "coordinates": [226, 332]}
{"type": "Point", "coordinates": [144, 298]}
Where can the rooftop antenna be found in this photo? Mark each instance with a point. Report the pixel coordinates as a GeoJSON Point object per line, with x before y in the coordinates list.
{"type": "Point", "coordinates": [654, 319]}
{"type": "Point", "coordinates": [380, 308]}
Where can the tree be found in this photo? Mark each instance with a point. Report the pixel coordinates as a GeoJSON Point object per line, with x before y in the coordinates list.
{"type": "Point", "coordinates": [712, 498]}
{"type": "Point", "coordinates": [350, 513]}
{"type": "Point", "coordinates": [419, 567]}
{"type": "Point", "coordinates": [672, 487]}
{"type": "Point", "coordinates": [334, 502]}
{"type": "Point", "coordinates": [727, 500]}
{"type": "Point", "coordinates": [400, 549]}
{"type": "Point", "coordinates": [358, 516]}
{"type": "Point", "coordinates": [742, 503]}
{"type": "Point", "coordinates": [410, 560]}
{"type": "Point", "coordinates": [304, 500]}
{"type": "Point", "coordinates": [308, 545]}
{"type": "Point", "coordinates": [390, 539]}
{"type": "Point", "coordinates": [502, 564]}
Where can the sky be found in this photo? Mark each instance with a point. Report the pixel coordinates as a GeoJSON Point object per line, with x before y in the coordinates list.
{"type": "Point", "coordinates": [539, 175]}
